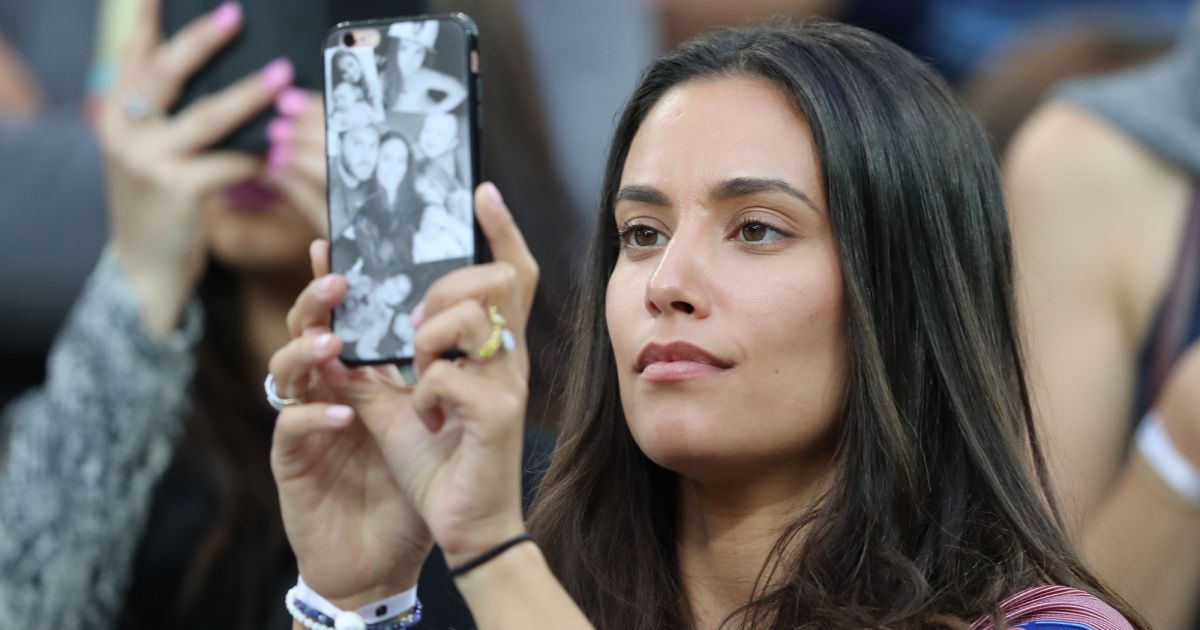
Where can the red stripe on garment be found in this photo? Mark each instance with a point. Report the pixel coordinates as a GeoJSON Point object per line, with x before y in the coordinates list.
{"type": "Point", "coordinates": [1058, 603]}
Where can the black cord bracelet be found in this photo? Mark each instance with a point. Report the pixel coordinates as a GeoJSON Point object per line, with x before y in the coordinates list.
{"type": "Point", "coordinates": [489, 555]}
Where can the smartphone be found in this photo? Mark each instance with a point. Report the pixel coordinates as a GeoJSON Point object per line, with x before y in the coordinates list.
{"type": "Point", "coordinates": [270, 29]}
{"type": "Point", "coordinates": [402, 151]}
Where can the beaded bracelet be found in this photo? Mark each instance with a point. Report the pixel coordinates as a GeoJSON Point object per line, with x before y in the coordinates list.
{"type": "Point", "coordinates": [314, 619]}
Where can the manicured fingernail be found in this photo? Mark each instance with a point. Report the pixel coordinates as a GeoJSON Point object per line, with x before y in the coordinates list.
{"type": "Point", "coordinates": [278, 73]}
{"type": "Point", "coordinates": [227, 16]}
{"type": "Point", "coordinates": [277, 157]}
{"type": "Point", "coordinates": [324, 343]}
{"type": "Point", "coordinates": [325, 286]}
{"type": "Point", "coordinates": [494, 193]}
{"type": "Point", "coordinates": [339, 414]}
{"type": "Point", "coordinates": [292, 102]}
{"type": "Point", "coordinates": [281, 129]}
{"type": "Point", "coordinates": [417, 315]}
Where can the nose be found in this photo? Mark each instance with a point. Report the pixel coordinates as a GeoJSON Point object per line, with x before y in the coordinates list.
{"type": "Point", "coordinates": [679, 285]}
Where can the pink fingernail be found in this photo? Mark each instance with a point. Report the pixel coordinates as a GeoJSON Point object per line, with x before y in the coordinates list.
{"type": "Point", "coordinates": [277, 157]}
{"type": "Point", "coordinates": [324, 342]}
{"type": "Point", "coordinates": [339, 414]}
{"type": "Point", "coordinates": [494, 193]}
{"type": "Point", "coordinates": [281, 130]}
{"type": "Point", "coordinates": [278, 73]}
{"type": "Point", "coordinates": [325, 286]}
{"type": "Point", "coordinates": [227, 16]}
{"type": "Point", "coordinates": [292, 102]}
{"type": "Point", "coordinates": [417, 315]}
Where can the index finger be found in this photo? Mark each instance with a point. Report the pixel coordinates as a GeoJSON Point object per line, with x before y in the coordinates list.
{"type": "Point", "coordinates": [505, 239]}
{"type": "Point", "coordinates": [141, 43]}
{"type": "Point", "coordinates": [315, 303]}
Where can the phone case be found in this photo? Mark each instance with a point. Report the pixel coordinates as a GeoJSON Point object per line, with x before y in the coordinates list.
{"type": "Point", "coordinates": [402, 115]}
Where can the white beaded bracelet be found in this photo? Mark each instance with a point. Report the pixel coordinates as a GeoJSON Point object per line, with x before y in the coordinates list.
{"type": "Point", "coordinates": [1170, 465]}
{"type": "Point", "coordinates": [317, 613]}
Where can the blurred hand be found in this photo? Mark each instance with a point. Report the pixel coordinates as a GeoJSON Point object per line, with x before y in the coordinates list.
{"type": "Point", "coordinates": [296, 162]}
{"type": "Point", "coordinates": [1179, 405]}
{"type": "Point", "coordinates": [451, 444]}
{"type": "Point", "coordinates": [157, 166]}
{"type": "Point", "coordinates": [20, 94]}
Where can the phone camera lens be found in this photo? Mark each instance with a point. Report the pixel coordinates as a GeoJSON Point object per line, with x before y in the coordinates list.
{"type": "Point", "coordinates": [348, 39]}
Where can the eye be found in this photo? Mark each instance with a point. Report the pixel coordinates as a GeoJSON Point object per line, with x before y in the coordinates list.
{"type": "Point", "coordinates": [635, 236]}
{"type": "Point", "coordinates": [754, 231]}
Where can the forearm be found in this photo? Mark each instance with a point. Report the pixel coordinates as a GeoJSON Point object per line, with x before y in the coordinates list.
{"type": "Point", "coordinates": [81, 458]}
{"type": "Point", "coordinates": [1144, 540]}
{"type": "Point", "coordinates": [518, 590]}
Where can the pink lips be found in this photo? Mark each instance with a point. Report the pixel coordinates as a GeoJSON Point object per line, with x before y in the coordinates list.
{"type": "Point", "coordinates": [678, 361]}
{"type": "Point", "coordinates": [252, 196]}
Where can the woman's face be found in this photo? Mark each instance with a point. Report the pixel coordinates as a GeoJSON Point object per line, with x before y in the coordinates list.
{"type": "Point", "coordinates": [360, 151]}
{"type": "Point", "coordinates": [252, 227]}
{"type": "Point", "coordinates": [393, 162]}
{"type": "Point", "coordinates": [725, 306]}
{"type": "Point", "coordinates": [350, 68]}
{"type": "Point", "coordinates": [410, 55]}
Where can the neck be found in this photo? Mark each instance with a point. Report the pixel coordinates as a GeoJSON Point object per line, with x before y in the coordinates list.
{"type": "Point", "coordinates": [264, 299]}
{"type": "Point", "coordinates": [727, 532]}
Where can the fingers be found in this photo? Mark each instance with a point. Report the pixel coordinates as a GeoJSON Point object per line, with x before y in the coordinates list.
{"type": "Point", "coordinates": [293, 364]}
{"type": "Point", "coordinates": [318, 256]}
{"type": "Point", "coordinates": [295, 428]}
{"type": "Point", "coordinates": [189, 49]}
{"type": "Point", "coordinates": [141, 44]}
{"type": "Point", "coordinates": [505, 239]}
{"type": "Point", "coordinates": [496, 283]}
{"type": "Point", "coordinates": [214, 170]}
{"type": "Point", "coordinates": [216, 115]}
{"type": "Point", "coordinates": [464, 326]}
{"type": "Point", "coordinates": [316, 301]}
{"type": "Point", "coordinates": [446, 386]}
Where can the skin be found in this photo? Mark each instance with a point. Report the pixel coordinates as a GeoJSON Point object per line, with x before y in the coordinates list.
{"type": "Point", "coordinates": [168, 194]}
{"type": "Point", "coordinates": [350, 68]}
{"type": "Point", "coordinates": [393, 164]}
{"type": "Point", "coordinates": [452, 443]}
{"type": "Point", "coordinates": [439, 135]}
{"type": "Point", "coordinates": [360, 152]}
{"type": "Point", "coordinates": [1096, 225]}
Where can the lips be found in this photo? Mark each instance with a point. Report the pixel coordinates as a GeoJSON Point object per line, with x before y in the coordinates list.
{"type": "Point", "coordinates": [677, 361]}
{"type": "Point", "coordinates": [251, 196]}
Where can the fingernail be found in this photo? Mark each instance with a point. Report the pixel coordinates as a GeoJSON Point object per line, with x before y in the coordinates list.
{"type": "Point", "coordinates": [278, 73]}
{"type": "Point", "coordinates": [324, 343]}
{"type": "Point", "coordinates": [291, 102]}
{"type": "Point", "coordinates": [325, 286]}
{"type": "Point", "coordinates": [494, 193]}
{"type": "Point", "coordinates": [417, 315]}
{"type": "Point", "coordinates": [277, 157]}
{"type": "Point", "coordinates": [339, 414]}
{"type": "Point", "coordinates": [227, 16]}
{"type": "Point", "coordinates": [281, 129]}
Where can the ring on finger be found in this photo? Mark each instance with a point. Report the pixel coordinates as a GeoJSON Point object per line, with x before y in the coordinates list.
{"type": "Point", "coordinates": [274, 399]}
{"type": "Point", "coordinates": [500, 337]}
{"type": "Point", "coordinates": [137, 107]}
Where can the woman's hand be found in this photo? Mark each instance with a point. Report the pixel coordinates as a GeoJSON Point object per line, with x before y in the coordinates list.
{"type": "Point", "coordinates": [355, 534]}
{"type": "Point", "coordinates": [443, 455]}
{"type": "Point", "coordinates": [296, 162]}
{"type": "Point", "coordinates": [158, 169]}
{"type": "Point", "coordinates": [457, 453]}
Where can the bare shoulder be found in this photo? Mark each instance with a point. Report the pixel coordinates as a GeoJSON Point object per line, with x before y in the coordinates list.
{"type": "Point", "coordinates": [1100, 205]}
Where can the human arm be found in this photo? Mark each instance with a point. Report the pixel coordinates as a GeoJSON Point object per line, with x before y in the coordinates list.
{"type": "Point", "coordinates": [1094, 219]}
{"type": "Point", "coordinates": [452, 442]}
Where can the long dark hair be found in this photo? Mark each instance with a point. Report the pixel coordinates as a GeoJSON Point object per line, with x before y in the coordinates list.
{"type": "Point", "coordinates": [940, 504]}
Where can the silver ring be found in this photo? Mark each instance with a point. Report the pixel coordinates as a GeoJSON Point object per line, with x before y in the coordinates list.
{"type": "Point", "coordinates": [136, 107]}
{"type": "Point", "coordinates": [274, 399]}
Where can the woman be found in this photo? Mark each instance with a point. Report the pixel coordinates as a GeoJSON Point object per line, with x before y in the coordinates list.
{"type": "Point", "coordinates": [410, 84]}
{"type": "Point", "coordinates": [797, 396]}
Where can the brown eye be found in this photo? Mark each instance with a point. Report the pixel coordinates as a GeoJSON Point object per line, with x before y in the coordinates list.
{"type": "Point", "coordinates": [645, 236]}
{"type": "Point", "coordinates": [754, 232]}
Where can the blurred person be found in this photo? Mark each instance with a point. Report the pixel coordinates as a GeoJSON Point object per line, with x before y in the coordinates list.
{"type": "Point", "coordinates": [1106, 219]}
{"type": "Point", "coordinates": [797, 396]}
{"type": "Point", "coordinates": [52, 178]}
{"type": "Point", "coordinates": [409, 83]}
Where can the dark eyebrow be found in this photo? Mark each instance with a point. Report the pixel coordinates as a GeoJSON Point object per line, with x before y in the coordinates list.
{"type": "Point", "coordinates": [643, 194]}
{"type": "Point", "coordinates": [742, 186]}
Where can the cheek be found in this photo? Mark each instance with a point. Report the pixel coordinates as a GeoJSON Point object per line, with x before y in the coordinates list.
{"type": "Point", "coordinates": [623, 309]}
{"type": "Point", "coordinates": [275, 238]}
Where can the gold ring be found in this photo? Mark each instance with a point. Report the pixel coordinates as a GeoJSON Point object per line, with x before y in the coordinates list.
{"type": "Point", "coordinates": [501, 336]}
